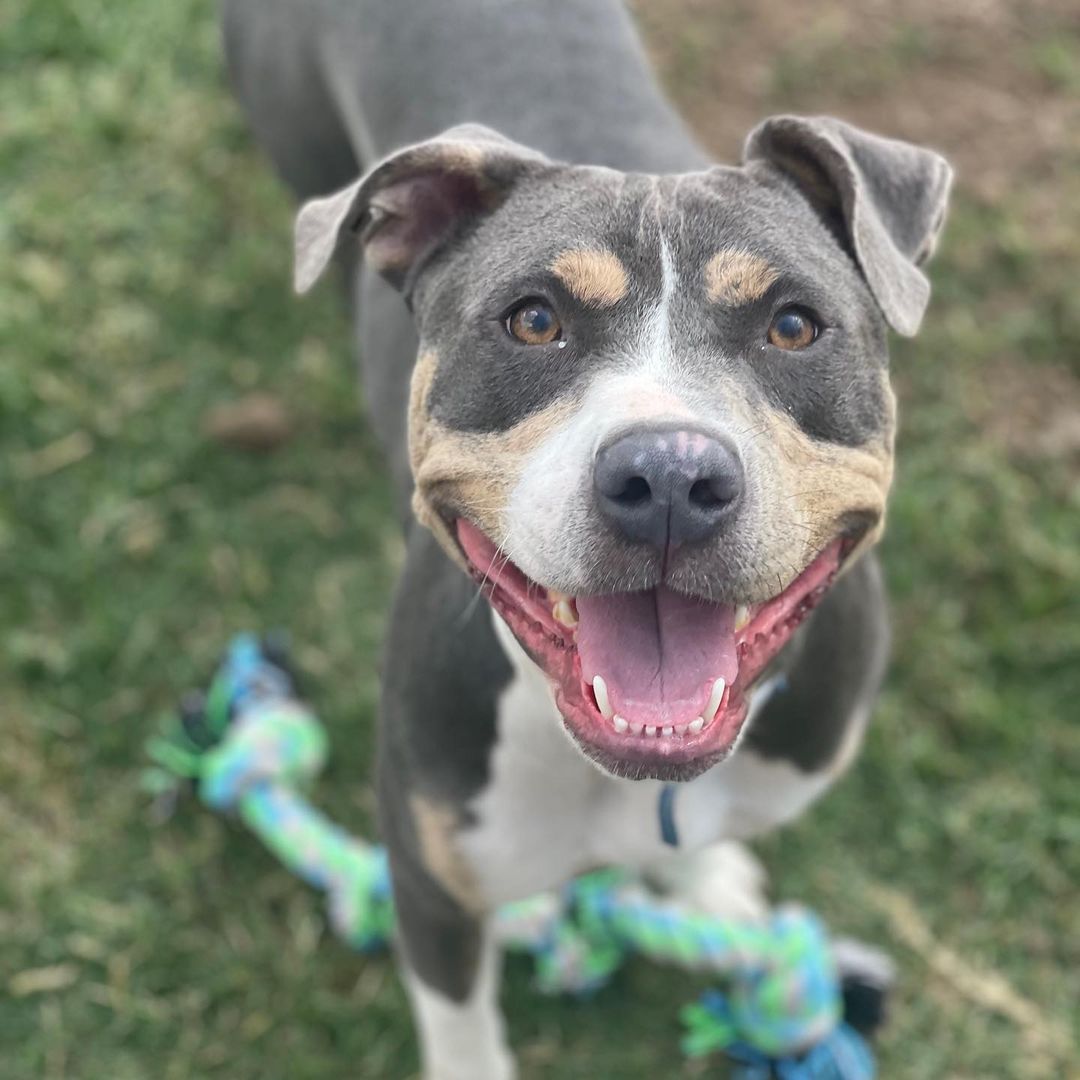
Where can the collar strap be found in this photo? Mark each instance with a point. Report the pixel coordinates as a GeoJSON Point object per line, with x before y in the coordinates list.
{"type": "Point", "coordinates": [669, 832]}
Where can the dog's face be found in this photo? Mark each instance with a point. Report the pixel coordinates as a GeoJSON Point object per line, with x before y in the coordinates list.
{"type": "Point", "coordinates": [650, 415]}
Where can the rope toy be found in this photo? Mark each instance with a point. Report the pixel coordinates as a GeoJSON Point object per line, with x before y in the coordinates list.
{"type": "Point", "coordinates": [791, 1003]}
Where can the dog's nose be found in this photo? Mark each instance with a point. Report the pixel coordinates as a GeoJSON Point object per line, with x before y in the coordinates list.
{"type": "Point", "coordinates": [664, 487]}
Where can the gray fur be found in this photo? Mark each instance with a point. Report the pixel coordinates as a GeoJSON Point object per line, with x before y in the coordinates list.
{"type": "Point", "coordinates": [318, 230]}
{"type": "Point", "coordinates": [334, 88]}
{"type": "Point", "coordinates": [329, 82]}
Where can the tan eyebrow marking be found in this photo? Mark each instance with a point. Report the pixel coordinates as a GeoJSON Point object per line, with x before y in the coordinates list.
{"type": "Point", "coordinates": [735, 277]}
{"type": "Point", "coordinates": [594, 277]}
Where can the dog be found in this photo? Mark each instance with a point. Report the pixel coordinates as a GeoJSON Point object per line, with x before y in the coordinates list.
{"type": "Point", "coordinates": [637, 410]}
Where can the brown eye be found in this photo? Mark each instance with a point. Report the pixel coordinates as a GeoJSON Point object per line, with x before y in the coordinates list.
{"type": "Point", "coordinates": [534, 323]}
{"type": "Point", "coordinates": [792, 328]}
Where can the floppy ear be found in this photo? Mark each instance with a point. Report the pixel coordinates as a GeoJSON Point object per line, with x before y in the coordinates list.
{"type": "Point", "coordinates": [887, 198]}
{"type": "Point", "coordinates": [411, 203]}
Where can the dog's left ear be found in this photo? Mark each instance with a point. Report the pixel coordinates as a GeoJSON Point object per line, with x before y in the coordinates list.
{"type": "Point", "coordinates": [410, 204]}
{"type": "Point", "coordinates": [887, 198]}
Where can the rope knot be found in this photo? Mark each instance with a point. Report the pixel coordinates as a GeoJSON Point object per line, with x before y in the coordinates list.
{"type": "Point", "coordinates": [280, 742]}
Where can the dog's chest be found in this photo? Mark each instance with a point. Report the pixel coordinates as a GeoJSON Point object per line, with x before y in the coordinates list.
{"type": "Point", "coordinates": [548, 814]}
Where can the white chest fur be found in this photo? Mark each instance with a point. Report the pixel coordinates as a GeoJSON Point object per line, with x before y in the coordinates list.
{"type": "Point", "coordinates": [548, 813]}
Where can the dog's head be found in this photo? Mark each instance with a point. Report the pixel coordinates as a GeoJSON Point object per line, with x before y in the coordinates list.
{"type": "Point", "coordinates": [650, 415]}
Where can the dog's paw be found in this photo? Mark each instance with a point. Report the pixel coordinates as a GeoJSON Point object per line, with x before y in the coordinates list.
{"type": "Point", "coordinates": [723, 880]}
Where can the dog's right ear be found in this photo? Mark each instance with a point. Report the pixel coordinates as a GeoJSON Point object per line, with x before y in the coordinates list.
{"type": "Point", "coordinates": [408, 206]}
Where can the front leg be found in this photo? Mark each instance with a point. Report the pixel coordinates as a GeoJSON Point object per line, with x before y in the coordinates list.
{"type": "Point", "coordinates": [450, 966]}
{"type": "Point", "coordinates": [443, 676]}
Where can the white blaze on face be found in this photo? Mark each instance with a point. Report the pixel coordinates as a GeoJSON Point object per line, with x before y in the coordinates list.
{"type": "Point", "coordinates": [550, 515]}
{"type": "Point", "coordinates": [655, 348]}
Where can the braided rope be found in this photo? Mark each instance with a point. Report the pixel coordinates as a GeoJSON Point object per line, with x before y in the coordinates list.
{"type": "Point", "coordinates": [255, 745]}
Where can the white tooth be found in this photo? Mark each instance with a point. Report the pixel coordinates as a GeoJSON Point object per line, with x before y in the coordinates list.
{"type": "Point", "coordinates": [563, 612]}
{"type": "Point", "coordinates": [715, 698]}
{"type": "Point", "coordinates": [680, 729]}
{"type": "Point", "coordinates": [650, 729]}
{"type": "Point", "coordinates": [619, 724]}
{"type": "Point", "coordinates": [696, 725]}
{"type": "Point", "coordinates": [668, 730]}
{"type": "Point", "coordinates": [742, 616]}
{"type": "Point", "coordinates": [636, 729]}
{"type": "Point", "coordinates": [602, 700]}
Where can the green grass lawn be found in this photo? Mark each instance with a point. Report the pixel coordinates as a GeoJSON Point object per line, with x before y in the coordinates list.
{"type": "Point", "coordinates": [144, 282]}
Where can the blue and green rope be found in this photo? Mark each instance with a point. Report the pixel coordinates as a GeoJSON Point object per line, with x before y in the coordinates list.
{"type": "Point", "coordinates": [250, 747]}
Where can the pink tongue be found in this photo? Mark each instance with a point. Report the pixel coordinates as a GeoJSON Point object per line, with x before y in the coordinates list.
{"type": "Point", "coordinates": [658, 652]}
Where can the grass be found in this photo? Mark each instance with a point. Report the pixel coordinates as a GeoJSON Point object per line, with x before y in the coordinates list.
{"type": "Point", "coordinates": [144, 281]}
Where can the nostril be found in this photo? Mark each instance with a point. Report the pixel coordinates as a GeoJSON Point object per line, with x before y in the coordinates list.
{"type": "Point", "coordinates": [664, 487]}
{"type": "Point", "coordinates": [703, 493]}
{"type": "Point", "coordinates": [635, 490]}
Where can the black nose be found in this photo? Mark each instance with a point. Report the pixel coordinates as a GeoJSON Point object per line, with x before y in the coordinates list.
{"type": "Point", "coordinates": [665, 487]}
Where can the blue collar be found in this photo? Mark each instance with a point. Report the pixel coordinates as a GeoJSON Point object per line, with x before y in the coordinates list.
{"type": "Point", "coordinates": [669, 831]}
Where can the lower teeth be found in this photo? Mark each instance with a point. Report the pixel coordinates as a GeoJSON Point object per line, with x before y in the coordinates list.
{"type": "Point", "coordinates": [624, 727]}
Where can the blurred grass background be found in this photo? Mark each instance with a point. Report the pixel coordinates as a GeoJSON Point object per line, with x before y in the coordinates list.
{"type": "Point", "coordinates": [144, 300]}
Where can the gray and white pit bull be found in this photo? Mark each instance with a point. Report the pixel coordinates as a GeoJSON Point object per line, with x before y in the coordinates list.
{"type": "Point", "coordinates": [639, 404]}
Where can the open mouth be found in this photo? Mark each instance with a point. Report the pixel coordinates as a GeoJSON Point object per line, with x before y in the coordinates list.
{"type": "Point", "coordinates": [649, 684]}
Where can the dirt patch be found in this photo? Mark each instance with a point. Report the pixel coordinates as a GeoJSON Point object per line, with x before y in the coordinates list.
{"type": "Point", "coordinates": [258, 422]}
{"type": "Point", "coordinates": [1037, 418]}
{"type": "Point", "coordinates": [994, 84]}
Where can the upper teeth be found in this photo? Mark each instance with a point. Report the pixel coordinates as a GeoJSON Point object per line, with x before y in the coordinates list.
{"type": "Point", "coordinates": [742, 616]}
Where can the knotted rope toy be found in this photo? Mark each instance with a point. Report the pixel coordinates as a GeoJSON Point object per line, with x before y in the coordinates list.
{"type": "Point", "coordinates": [249, 746]}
